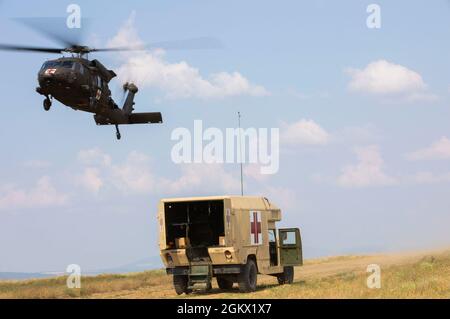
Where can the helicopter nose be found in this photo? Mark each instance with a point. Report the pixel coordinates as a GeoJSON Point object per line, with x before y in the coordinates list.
{"type": "Point", "coordinates": [49, 72]}
{"type": "Point", "coordinates": [50, 77]}
{"type": "Point", "coordinates": [47, 79]}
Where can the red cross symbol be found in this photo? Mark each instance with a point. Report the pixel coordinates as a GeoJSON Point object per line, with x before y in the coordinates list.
{"type": "Point", "coordinates": [50, 71]}
{"type": "Point", "coordinates": [255, 228]}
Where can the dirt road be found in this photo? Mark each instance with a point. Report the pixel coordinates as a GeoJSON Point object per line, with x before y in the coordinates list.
{"type": "Point", "coordinates": [313, 270]}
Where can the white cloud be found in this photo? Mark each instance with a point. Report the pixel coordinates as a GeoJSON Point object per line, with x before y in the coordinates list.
{"type": "Point", "coordinates": [385, 78]}
{"type": "Point", "coordinates": [438, 150]}
{"type": "Point", "coordinates": [135, 176]}
{"type": "Point", "coordinates": [284, 197]}
{"type": "Point", "coordinates": [367, 172]}
{"type": "Point", "coordinates": [176, 80]}
{"type": "Point", "coordinates": [91, 179]}
{"type": "Point", "coordinates": [43, 194]}
{"type": "Point", "coordinates": [203, 178]}
{"type": "Point", "coordinates": [304, 132]}
{"type": "Point", "coordinates": [132, 176]}
{"type": "Point", "coordinates": [254, 171]}
{"type": "Point", "coordinates": [94, 156]}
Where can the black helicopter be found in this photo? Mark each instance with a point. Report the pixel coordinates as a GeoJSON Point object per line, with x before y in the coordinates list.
{"type": "Point", "coordinates": [82, 84]}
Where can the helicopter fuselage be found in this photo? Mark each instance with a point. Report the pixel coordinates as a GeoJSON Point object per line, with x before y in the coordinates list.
{"type": "Point", "coordinates": [78, 83]}
{"type": "Point", "coordinates": [83, 85]}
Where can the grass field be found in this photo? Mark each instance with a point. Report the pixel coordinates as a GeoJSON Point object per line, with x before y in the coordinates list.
{"type": "Point", "coordinates": [409, 275]}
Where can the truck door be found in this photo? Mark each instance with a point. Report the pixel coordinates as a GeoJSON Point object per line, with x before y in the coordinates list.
{"type": "Point", "coordinates": [290, 247]}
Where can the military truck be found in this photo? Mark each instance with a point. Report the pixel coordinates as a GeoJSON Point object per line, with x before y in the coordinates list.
{"type": "Point", "coordinates": [231, 238]}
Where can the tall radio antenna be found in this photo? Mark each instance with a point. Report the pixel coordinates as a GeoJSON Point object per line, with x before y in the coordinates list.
{"type": "Point", "coordinates": [240, 154]}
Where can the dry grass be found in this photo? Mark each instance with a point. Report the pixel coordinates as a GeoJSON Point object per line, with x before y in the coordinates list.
{"type": "Point", "coordinates": [56, 287]}
{"type": "Point", "coordinates": [419, 275]}
{"type": "Point", "coordinates": [428, 277]}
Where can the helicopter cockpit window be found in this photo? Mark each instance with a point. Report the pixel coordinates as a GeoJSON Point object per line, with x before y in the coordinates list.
{"type": "Point", "coordinates": [78, 67]}
{"type": "Point", "coordinates": [50, 65]}
{"type": "Point", "coordinates": [57, 64]}
{"type": "Point", "coordinates": [66, 64]}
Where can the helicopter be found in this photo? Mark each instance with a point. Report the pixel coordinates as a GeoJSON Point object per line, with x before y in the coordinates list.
{"type": "Point", "coordinates": [83, 84]}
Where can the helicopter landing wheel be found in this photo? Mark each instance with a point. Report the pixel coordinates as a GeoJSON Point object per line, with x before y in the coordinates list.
{"type": "Point", "coordinates": [118, 133]}
{"type": "Point", "coordinates": [47, 104]}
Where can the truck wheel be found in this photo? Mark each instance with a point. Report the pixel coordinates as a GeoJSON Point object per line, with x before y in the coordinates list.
{"type": "Point", "coordinates": [224, 283]}
{"type": "Point", "coordinates": [248, 277]}
{"type": "Point", "coordinates": [180, 283]}
{"type": "Point", "coordinates": [287, 277]}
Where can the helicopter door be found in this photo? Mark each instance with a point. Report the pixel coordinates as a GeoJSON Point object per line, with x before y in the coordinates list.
{"type": "Point", "coordinates": [98, 87]}
{"type": "Point", "coordinates": [93, 83]}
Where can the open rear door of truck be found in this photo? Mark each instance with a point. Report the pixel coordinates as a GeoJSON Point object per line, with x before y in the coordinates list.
{"type": "Point", "coordinates": [290, 245]}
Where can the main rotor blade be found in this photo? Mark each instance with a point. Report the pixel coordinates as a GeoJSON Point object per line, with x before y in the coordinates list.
{"type": "Point", "coordinates": [55, 28]}
{"type": "Point", "coordinates": [7, 47]}
{"type": "Point", "coordinates": [202, 43]}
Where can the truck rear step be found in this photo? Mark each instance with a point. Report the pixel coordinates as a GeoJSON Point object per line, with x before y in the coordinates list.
{"type": "Point", "coordinates": [200, 275]}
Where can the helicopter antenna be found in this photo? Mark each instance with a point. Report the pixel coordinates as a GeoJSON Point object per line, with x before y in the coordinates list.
{"type": "Point", "coordinates": [240, 154]}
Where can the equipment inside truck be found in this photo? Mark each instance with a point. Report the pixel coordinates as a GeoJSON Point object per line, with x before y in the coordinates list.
{"type": "Point", "coordinates": [197, 223]}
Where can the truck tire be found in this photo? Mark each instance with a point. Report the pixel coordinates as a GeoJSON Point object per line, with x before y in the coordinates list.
{"type": "Point", "coordinates": [224, 283]}
{"type": "Point", "coordinates": [248, 277]}
{"type": "Point", "coordinates": [287, 277]}
{"type": "Point", "coordinates": [180, 283]}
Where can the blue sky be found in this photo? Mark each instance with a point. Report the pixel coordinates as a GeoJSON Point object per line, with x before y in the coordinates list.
{"type": "Point", "coordinates": [363, 115]}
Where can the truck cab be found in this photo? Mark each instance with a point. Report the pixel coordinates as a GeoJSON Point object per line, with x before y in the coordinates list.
{"type": "Point", "coordinates": [231, 238]}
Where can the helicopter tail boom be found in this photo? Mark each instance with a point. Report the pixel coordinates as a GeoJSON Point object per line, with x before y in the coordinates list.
{"type": "Point", "coordinates": [125, 115]}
